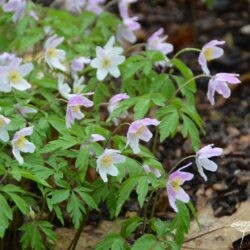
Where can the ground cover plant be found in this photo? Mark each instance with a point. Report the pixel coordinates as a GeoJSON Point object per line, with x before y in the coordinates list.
{"type": "Point", "coordinates": [82, 117]}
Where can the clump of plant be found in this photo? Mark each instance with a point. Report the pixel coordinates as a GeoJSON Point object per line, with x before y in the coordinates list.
{"type": "Point", "coordinates": [82, 118]}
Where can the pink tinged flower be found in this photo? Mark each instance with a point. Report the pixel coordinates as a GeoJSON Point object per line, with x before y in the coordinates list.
{"type": "Point", "coordinates": [174, 189]}
{"type": "Point", "coordinates": [219, 83]}
{"type": "Point", "coordinates": [74, 6]}
{"type": "Point", "coordinates": [107, 60]}
{"type": "Point", "coordinates": [96, 137]}
{"type": "Point", "coordinates": [106, 163]}
{"type": "Point", "coordinates": [202, 160]}
{"type": "Point", "coordinates": [13, 75]}
{"type": "Point", "coordinates": [24, 110]}
{"type": "Point", "coordinates": [73, 109]}
{"type": "Point", "coordinates": [152, 170]}
{"type": "Point", "coordinates": [4, 135]}
{"type": "Point", "coordinates": [113, 104]}
{"type": "Point", "coordinates": [16, 6]}
{"type": "Point", "coordinates": [157, 42]}
{"type": "Point", "coordinates": [93, 138]}
{"type": "Point", "coordinates": [78, 63]}
{"type": "Point", "coordinates": [34, 15]}
{"type": "Point", "coordinates": [54, 56]}
{"type": "Point", "coordinates": [125, 34]}
{"type": "Point", "coordinates": [94, 6]}
{"type": "Point", "coordinates": [21, 144]}
{"type": "Point", "coordinates": [209, 52]}
{"type": "Point", "coordinates": [6, 58]}
{"type": "Point", "coordinates": [138, 131]}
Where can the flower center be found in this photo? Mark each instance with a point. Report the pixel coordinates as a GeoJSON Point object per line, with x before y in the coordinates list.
{"type": "Point", "coordinates": [140, 130]}
{"type": "Point", "coordinates": [14, 77]}
{"type": "Point", "coordinates": [52, 53]}
{"type": "Point", "coordinates": [106, 160]}
{"type": "Point", "coordinates": [2, 122]}
{"type": "Point", "coordinates": [20, 142]}
{"type": "Point", "coordinates": [209, 54]}
{"type": "Point", "coordinates": [75, 109]}
{"type": "Point", "coordinates": [106, 63]}
{"type": "Point", "coordinates": [176, 184]}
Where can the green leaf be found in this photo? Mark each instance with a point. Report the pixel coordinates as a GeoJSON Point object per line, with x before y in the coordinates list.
{"type": "Point", "coordinates": [190, 128]}
{"type": "Point", "coordinates": [82, 161]}
{"type": "Point", "coordinates": [59, 196]}
{"type": "Point", "coordinates": [20, 203]}
{"type": "Point", "coordinates": [87, 199]}
{"type": "Point", "coordinates": [142, 189]}
{"type": "Point", "coordinates": [147, 242]}
{"type": "Point", "coordinates": [75, 209]}
{"type": "Point", "coordinates": [124, 192]}
{"type": "Point", "coordinates": [5, 215]}
{"type": "Point", "coordinates": [130, 225]}
{"type": "Point", "coordinates": [168, 125]}
{"type": "Point", "coordinates": [141, 108]}
{"type": "Point", "coordinates": [181, 222]}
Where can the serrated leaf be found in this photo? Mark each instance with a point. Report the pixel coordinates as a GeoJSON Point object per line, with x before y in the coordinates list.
{"type": "Point", "coordinates": [124, 192]}
{"type": "Point", "coordinates": [168, 125]}
{"type": "Point", "coordinates": [75, 209]}
{"type": "Point", "coordinates": [5, 215]}
{"type": "Point", "coordinates": [20, 203]}
{"type": "Point", "coordinates": [147, 242]}
{"type": "Point", "coordinates": [190, 128]}
{"type": "Point", "coordinates": [141, 108]}
{"type": "Point", "coordinates": [142, 189]}
{"type": "Point", "coordinates": [59, 196]}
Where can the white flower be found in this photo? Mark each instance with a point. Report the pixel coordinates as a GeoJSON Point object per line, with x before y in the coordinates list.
{"type": "Point", "coordinates": [107, 60]}
{"type": "Point", "coordinates": [106, 163]}
{"type": "Point", "coordinates": [13, 75]}
{"type": "Point", "coordinates": [93, 138]}
{"type": "Point", "coordinates": [202, 160]}
{"type": "Point", "coordinates": [21, 144]}
{"type": "Point", "coordinates": [4, 121]}
{"type": "Point", "coordinates": [53, 56]}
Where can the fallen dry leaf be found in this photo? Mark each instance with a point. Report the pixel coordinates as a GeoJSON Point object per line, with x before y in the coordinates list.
{"type": "Point", "coordinates": [216, 233]}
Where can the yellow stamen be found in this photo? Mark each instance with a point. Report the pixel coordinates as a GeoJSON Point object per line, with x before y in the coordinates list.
{"type": "Point", "coordinates": [75, 109]}
{"type": "Point", "coordinates": [52, 53]}
{"type": "Point", "coordinates": [140, 130]}
{"type": "Point", "coordinates": [209, 54]}
{"type": "Point", "coordinates": [2, 122]}
{"type": "Point", "coordinates": [14, 77]}
{"type": "Point", "coordinates": [20, 142]}
{"type": "Point", "coordinates": [176, 183]}
{"type": "Point", "coordinates": [106, 160]}
{"type": "Point", "coordinates": [106, 63]}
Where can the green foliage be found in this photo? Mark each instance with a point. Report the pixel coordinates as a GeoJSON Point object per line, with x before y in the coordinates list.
{"type": "Point", "coordinates": [61, 178]}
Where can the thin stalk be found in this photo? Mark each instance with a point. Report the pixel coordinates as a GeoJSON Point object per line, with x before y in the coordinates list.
{"type": "Point", "coordinates": [187, 82]}
{"type": "Point", "coordinates": [75, 240]}
{"type": "Point", "coordinates": [186, 50]}
{"type": "Point", "coordinates": [154, 205]}
{"type": "Point", "coordinates": [138, 45]}
{"type": "Point", "coordinates": [179, 162]}
{"type": "Point", "coordinates": [117, 128]}
{"type": "Point", "coordinates": [155, 141]}
{"type": "Point", "coordinates": [146, 211]}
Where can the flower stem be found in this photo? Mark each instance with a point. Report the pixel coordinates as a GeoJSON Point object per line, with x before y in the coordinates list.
{"type": "Point", "coordinates": [116, 129]}
{"type": "Point", "coordinates": [186, 50]}
{"type": "Point", "coordinates": [178, 163]}
{"type": "Point", "coordinates": [187, 82]}
{"type": "Point", "coordinates": [138, 45]}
